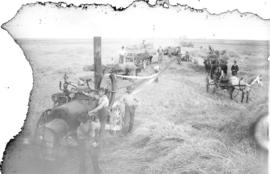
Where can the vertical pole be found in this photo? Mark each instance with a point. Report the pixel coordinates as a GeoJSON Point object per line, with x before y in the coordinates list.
{"type": "Point", "coordinates": [97, 62]}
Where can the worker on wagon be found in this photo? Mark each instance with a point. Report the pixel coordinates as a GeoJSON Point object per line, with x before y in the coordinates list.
{"type": "Point", "coordinates": [234, 68]}
{"type": "Point", "coordinates": [187, 57]}
{"type": "Point", "coordinates": [225, 68]}
{"type": "Point", "coordinates": [65, 87]}
{"type": "Point", "coordinates": [160, 55]}
{"type": "Point", "coordinates": [101, 110]}
{"type": "Point", "coordinates": [131, 104]}
{"type": "Point", "coordinates": [218, 74]}
{"type": "Point", "coordinates": [122, 55]}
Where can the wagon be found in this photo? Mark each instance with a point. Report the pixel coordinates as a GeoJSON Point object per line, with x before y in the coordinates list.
{"type": "Point", "coordinates": [225, 84]}
{"type": "Point", "coordinates": [214, 59]}
{"type": "Point", "coordinates": [140, 55]}
{"type": "Point", "coordinates": [172, 51]}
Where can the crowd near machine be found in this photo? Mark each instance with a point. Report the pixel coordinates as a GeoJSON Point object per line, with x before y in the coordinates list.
{"type": "Point", "coordinates": [58, 125]}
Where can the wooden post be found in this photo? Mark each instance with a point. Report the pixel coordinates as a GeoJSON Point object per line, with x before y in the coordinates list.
{"type": "Point", "coordinates": [97, 62]}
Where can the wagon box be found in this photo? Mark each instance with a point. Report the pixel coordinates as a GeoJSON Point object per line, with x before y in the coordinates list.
{"type": "Point", "coordinates": [140, 54]}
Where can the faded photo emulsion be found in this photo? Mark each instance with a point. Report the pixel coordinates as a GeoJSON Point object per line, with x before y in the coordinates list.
{"type": "Point", "coordinates": [146, 90]}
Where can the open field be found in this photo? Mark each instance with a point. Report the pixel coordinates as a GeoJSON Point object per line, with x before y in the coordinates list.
{"type": "Point", "coordinates": [179, 127]}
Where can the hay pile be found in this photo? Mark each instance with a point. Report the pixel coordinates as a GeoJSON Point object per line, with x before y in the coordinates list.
{"type": "Point", "coordinates": [182, 129]}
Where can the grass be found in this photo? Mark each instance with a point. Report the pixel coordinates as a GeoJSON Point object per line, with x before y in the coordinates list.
{"type": "Point", "coordinates": [185, 130]}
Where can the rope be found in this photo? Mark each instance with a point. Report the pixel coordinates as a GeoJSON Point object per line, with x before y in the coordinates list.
{"type": "Point", "coordinates": [150, 78]}
{"type": "Point", "coordinates": [143, 77]}
{"type": "Point", "coordinates": [138, 77]}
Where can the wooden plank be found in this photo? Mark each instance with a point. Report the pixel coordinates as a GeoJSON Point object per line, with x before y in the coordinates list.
{"type": "Point", "coordinates": [97, 62]}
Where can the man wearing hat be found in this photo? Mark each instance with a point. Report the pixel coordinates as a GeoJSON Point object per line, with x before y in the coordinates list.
{"type": "Point", "coordinates": [234, 68]}
{"type": "Point", "coordinates": [101, 109]}
{"type": "Point", "coordinates": [122, 55]}
{"type": "Point", "coordinates": [131, 104]}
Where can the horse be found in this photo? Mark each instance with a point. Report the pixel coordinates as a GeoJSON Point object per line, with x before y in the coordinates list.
{"type": "Point", "coordinates": [244, 86]}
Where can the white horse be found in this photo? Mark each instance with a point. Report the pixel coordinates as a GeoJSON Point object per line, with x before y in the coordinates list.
{"type": "Point", "coordinates": [244, 86]}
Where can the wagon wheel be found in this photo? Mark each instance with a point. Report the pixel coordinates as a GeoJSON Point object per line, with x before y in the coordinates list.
{"type": "Point", "coordinates": [252, 95]}
{"type": "Point", "coordinates": [109, 83]}
{"type": "Point", "coordinates": [40, 122]}
{"type": "Point", "coordinates": [43, 118]}
{"type": "Point", "coordinates": [48, 138]}
{"type": "Point", "coordinates": [235, 93]}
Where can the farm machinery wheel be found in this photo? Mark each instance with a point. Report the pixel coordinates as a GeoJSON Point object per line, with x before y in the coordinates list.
{"type": "Point", "coordinates": [109, 83]}
{"type": "Point", "coordinates": [117, 116]}
{"type": "Point", "coordinates": [47, 139]}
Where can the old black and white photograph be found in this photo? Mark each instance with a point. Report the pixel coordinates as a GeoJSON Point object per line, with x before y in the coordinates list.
{"type": "Point", "coordinates": [131, 92]}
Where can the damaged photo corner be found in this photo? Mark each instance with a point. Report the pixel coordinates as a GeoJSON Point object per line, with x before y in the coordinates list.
{"type": "Point", "coordinates": [145, 89]}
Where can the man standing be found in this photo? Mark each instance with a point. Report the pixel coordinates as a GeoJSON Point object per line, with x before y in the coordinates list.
{"type": "Point", "coordinates": [218, 74]}
{"type": "Point", "coordinates": [101, 109]}
{"type": "Point", "coordinates": [160, 54]}
{"type": "Point", "coordinates": [187, 57]}
{"type": "Point", "coordinates": [234, 68]}
{"type": "Point", "coordinates": [157, 70]}
{"type": "Point", "coordinates": [122, 55]}
{"type": "Point", "coordinates": [131, 104]}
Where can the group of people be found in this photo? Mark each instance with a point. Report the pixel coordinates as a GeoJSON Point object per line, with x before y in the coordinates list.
{"type": "Point", "coordinates": [123, 55]}
{"type": "Point", "coordinates": [102, 113]}
{"type": "Point", "coordinates": [90, 134]}
{"type": "Point", "coordinates": [220, 73]}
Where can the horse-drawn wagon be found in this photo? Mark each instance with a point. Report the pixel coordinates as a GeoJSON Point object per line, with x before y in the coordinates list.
{"type": "Point", "coordinates": [140, 55]}
{"type": "Point", "coordinates": [216, 69]}
{"type": "Point", "coordinates": [172, 51]}
{"type": "Point", "coordinates": [217, 77]}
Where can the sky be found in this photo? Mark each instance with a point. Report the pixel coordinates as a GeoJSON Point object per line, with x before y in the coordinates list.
{"type": "Point", "coordinates": [135, 22]}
